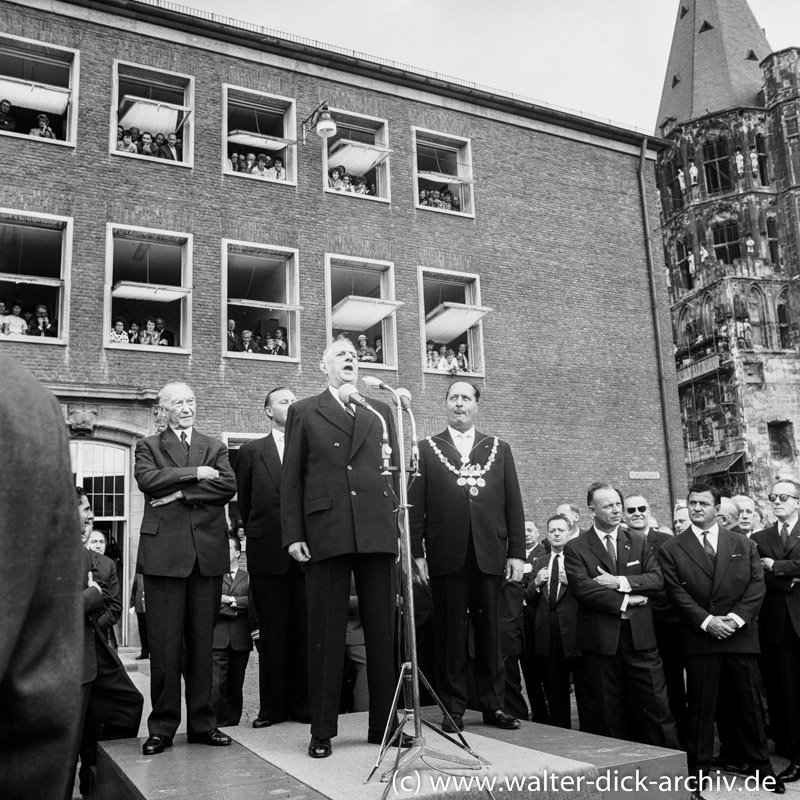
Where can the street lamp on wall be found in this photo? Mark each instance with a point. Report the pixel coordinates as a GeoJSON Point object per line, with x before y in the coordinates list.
{"type": "Point", "coordinates": [321, 120]}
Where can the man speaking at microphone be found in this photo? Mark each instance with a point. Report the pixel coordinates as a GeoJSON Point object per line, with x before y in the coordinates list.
{"type": "Point", "coordinates": [338, 517]}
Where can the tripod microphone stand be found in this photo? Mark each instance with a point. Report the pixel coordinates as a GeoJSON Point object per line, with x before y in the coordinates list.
{"type": "Point", "coordinates": [410, 674]}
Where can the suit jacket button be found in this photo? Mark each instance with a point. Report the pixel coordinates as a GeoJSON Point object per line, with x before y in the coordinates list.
{"type": "Point", "coordinates": [386, 494]}
{"type": "Point", "coordinates": [336, 444]}
{"type": "Point", "coordinates": [349, 467]}
{"type": "Point", "coordinates": [353, 493]}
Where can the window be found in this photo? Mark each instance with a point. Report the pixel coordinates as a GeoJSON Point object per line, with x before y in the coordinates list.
{"type": "Point", "coordinates": [686, 265]}
{"type": "Point", "coordinates": [361, 303]}
{"type": "Point", "coordinates": [755, 333]}
{"type": "Point", "coordinates": [727, 247]}
{"type": "Point", "coordinates": [157, 103]}
{"type": "Point", "coordinates": [773, 242]}
{"type": "Point", "coordinates": [35, 254]}
{"type": "Point", "coordinates": [357, 156]}
{"type": "Point", "coordinates": [784, 327]}
{"type": "Point", "coordinates": [450, 305]}
{"type": "Point", "coordinates": [717, 162]}
{"type": "Point", "coordinates": [148, 282]}
{"type": "Point", "coordinates": [761, 152]}
{"type": "Point", "coordinates": [260, 135]}
{"type": "Point", "coordinates": [781, 440]}
{"type": "Point", "coordinates": [260, 291]}
{"type": "Point", "coordinates": [672, 192]}
{"type": "Point", "coordinates": [443, 167]}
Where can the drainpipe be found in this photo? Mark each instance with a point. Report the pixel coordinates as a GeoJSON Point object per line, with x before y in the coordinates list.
{"type": "Point", "coordinates": [662, 385]}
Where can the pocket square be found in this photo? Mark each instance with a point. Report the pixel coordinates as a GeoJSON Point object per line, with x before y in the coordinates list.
{"type": "Point", "coordinates": [736, 555]}
{"type": "Point", "coordinates": [632, 563]}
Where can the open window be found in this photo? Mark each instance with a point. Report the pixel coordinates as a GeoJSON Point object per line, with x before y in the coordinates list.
{"type": "Point", "coordinates": [260, 135]}
{"type": "Point", "coordinates": [154, 106]}
{"type": "Point", "coordinates": [727, 244]}
{"type": "Point", "coordinates": [260, 292]}
{"type": "Point", "coordinates": [149, 284]}
{"type": "Point", "coordinates": [452, 333]}
{"type": "Point", "coordinates": [718, 166]}
{"type": "Point", "coordinates": [38, 79]}
{"type": "Point", "coordinates": [35, 252]}
{"type": "Point", "coordinates": [443, 170]}
{"type": "Point", "coordinates": [357, 156]}
{"type": "Point", "coordinates": [361, 303]}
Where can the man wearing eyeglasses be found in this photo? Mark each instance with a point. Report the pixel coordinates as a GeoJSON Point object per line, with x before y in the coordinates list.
{"type": "Point", "coordinates": [779, 621]}
{"type": "Point", "coordinates": [715, 582]}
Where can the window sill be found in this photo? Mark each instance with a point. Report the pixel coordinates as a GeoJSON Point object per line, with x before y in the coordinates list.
{"type": "Point", "coordinates": [274, 181]}
{"type": "Point", "coordinates": [370, 365]}
{"type": "Point", "coordinates": [151, 159]}
{"type": "Point", "coordinates": [262, 357]}
{"type": "Point", "coordinates": [29, 138]}
{"type": "Point", "coordinates": [453, 375]}
{"type": "Point", "coordinates": [145, 348]}
{"type": "Point", "coordinates": [33, 340]}
{"type": "Point", "coordinates": [449, 212]}
{"type": "Point", "coordinates": [372, 197]}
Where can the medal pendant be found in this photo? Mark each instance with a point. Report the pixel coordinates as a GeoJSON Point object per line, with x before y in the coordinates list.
{"type": "Point", "coordinates": [474, 491]}
{"type": "Point", "coordinates": [481, 482]}
{"type": "Point", "coordinates": [471, 481]}
{"type": "Point", "coordinates": [465, 459]}
{"type": "Point", "coordinates": [462, 481]}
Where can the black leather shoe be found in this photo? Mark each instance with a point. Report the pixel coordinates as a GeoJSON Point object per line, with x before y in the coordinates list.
{"type": "Point", "coordinates": [450, 727]}
{"type": "Point", "coordinates": [141, 656]}
{"type": "Point", "coordinates": [731, 765]}
{"type": "Point", "coordinates": [319, 748]}
{"type": "Point", "coordinates": [403, 740]}
{"type": "Point", "coordinates": [501, 719]}
{"type": "Point", "coordinates": [155, 744]}
{"type": "Point", "coordinates": [776, 788]}
{"type": "Point", "coordinates": [214, 738]}
{"type": "Point", "coordinates": [260, 722]}
{"type": "Point", "coordinates": [790, 774]}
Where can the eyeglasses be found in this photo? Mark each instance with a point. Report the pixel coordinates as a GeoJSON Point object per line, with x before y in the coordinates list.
{"type": "Point", "coordinates": [782, 497]}
{"type": "Point", "coordinates": [640, 509]}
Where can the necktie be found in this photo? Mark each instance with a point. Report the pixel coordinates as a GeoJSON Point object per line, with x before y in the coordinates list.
{"type": "Point", "coordinates": [184, 443]}
{"type": "Point", "coordinates": [708, 548]}
{"type": "Point", "coordinates": [553, 596]}
{"type": "Point", "coordinates": [784, 534]}
{"type": "Point", "coordinates": [612, 553]}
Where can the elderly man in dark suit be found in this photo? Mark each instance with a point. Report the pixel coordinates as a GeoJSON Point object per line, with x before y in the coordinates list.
{"type": "Point", "coordinates": [232, 642]}
{"type": "Point", "coordinates": [467, 535]}
{"type": "Point", "coordinates": [277, 581]}
{"type": "Point", "coordinates": [183, 552]}
{"type": "Point", "coordinates": [779, 620]}
{"type": "Point", "coordinates": [338, 518]}
{"type": "Point", "coordinates": [715, 582]}
{"type": "Point", "coordinates": [555, 612]}
{"type": "Point", "coordinates": [171, 150]}
{"type": "Point", "coordinates": [612, 573]}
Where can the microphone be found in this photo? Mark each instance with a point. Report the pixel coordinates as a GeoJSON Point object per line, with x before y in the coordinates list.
{"type": "Point", "coordinates": [374, 383]}
{"type": "Point", "coordinates": [349, 394]}
{"type": "Point", "coordinates": [404, 396]}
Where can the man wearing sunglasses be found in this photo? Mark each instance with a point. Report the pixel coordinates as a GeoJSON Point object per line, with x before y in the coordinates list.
{"type": "Point", "coordinates": [779, 621]}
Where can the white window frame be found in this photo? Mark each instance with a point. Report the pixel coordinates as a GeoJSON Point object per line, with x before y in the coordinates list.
{"type": "Point", "coordinates": [187, 148]}
{"type": "Point", "coordinates": [472, 284]}
{"type": "Point", "coordinates": [74, 83]}
{"type": "Point", "coordinates": [289, 107]}
{"type": "Point", "coordinates": [292, 308]}
{"type": "Point", "coordinates": [459, 144]}
{"type": "Point", "coordinates": [62, 313]}
{"type": "Point", "coordinates": [389, 322]}
{"type": "Point", "coordinates": [380, 127]}
{"type": "Point", "coordinates": [185, 289]}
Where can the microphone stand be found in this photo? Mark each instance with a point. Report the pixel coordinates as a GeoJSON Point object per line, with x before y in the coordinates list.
{"type": "Point", "coordinates": [410, 674]}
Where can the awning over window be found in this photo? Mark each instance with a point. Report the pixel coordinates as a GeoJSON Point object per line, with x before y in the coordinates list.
{"type": "Point", "coordinates": [259, 140]}
{"type": "Point", "coordinates": [238, 301]}
{"type": "Point", "coordinates": [449, 320]}
{"type": "Point", "coordinates": [440, 177]}
{"type": "Point", "coordinates": [151, 115]}
{"type": "Point", "coordinates": [357, 158]}
{"type": "Point", "coordinates": [715, 466]}
{"type": "Point", "coordinates": [362, 313]}
{"type": "Point", "coordinates": [131, 290]}
{"type": "Point", "coordinates": [34, 96]}
{"type": "Point", "coordinates": [16, 278]}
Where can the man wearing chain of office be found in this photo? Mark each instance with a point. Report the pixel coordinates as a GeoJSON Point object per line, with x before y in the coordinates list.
{"type": "Point", "coordinates": [467, 535]}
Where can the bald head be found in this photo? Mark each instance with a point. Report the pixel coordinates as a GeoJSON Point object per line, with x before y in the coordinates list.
{"type": "Point", "coordinates": [727, 513]}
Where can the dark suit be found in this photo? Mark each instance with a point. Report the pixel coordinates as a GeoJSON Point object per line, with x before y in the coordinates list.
{"type": "Point", "coordinates": [232, 646]}
{"type": "Point", "coordinates": [779, 627]}
{"type": "Point", "coordinates": [529, 661]}
{"type": "Point", "coordinates": [167, 336]}
{"type": "Point", "coordinates": [183, 552]}
{"type": "Point", "coordinates": [697, 588]}
{"type": "Point", "coordinates": [41, 610]}
{"type": "Point", "coordinates": [277, 583]}
{"type": "Point", "coordinates": [556, 647]}
{"type": "Point", "coordinates": [234, 342]}
{"type": "Point", "coordinates": [620, 657]}
{"type": "Point", "coordinates": [467, 540]}
{"type": "Point", "coordinates": [166, 152]}
{"type": "Point", "coordinates": [334, 498]}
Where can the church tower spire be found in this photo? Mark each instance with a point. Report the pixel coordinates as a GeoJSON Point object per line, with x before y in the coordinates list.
{"type": "Point", "coordinates": [713, 63]}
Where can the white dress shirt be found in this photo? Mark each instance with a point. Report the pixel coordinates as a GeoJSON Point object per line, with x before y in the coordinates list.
{"type": "Point", "coordinates": [712, 534]}
{"type": "Point", "coordinates": [179, 431]}
{"type": "Point", "coordinates": [280, 441]}
{"type": "Point", "coordinates": [463, 440]}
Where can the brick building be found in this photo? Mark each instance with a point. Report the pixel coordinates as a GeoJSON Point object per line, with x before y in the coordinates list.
{"type": "Point", "coordinates": [729, 189]}
{"type": "Point", "coordinates": [540, 266]}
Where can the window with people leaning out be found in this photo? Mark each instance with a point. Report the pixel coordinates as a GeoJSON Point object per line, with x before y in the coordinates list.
{"type": "Point", "coordinates": [260, 291]}
{"type": "Point", "coordinates": [33, 263]}
{"type": "Point", "coordinates": [443, 166]}
{"type": "Point", "coordinates": [153, 114]}
{"type": "Point", "coordinates": [148, 289]}
{"type": "Point", "coordinates": [36, 97]}
{"type": "Point", "coordinates": [259, 135]}
{"type": "Point", "coordinates": [453, 334]}
{"type": "Point", "coordinates": [362, 307]}
{"type": "Point", "coordinates": [357, 156]}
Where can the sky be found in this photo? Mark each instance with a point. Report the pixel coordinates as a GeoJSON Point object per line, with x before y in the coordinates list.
{"type": "Point", "coordinates": [602, 59]}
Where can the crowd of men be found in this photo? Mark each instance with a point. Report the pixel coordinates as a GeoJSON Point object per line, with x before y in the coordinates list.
{"type": "Point", "coordinates": [663, 636]}
{"type": "Point", "coordinates": [144, 143]}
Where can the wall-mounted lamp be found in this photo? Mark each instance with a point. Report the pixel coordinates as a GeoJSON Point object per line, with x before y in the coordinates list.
{"type": "Point", "coordinates": [321, 120]}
